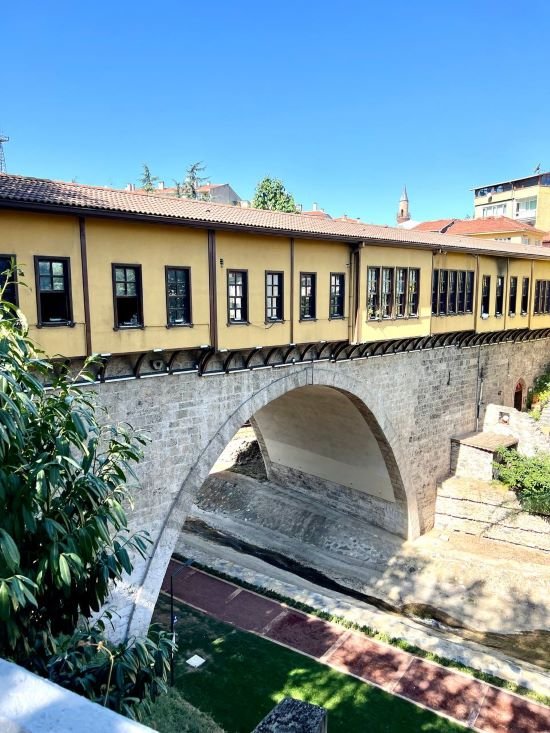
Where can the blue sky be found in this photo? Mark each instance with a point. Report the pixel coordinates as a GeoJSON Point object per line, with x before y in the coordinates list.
{"type": "Point", "coordinates": [344, 101]}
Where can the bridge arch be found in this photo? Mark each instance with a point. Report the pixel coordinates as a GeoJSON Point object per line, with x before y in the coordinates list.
{"type": "Point", "coordinates": [365, 402]}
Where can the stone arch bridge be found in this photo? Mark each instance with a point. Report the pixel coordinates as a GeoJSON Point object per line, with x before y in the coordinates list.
{"type": "Point", "coordinates": [375, 432]}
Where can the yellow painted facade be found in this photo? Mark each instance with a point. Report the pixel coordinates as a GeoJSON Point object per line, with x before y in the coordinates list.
{"type": "Point", "coordinates": [153, 247]}
{"type": "Point", "coordinates": [31, 235]}
{"type": "Point", "coordinates": [390, 328]}
{"type": "Point", "coordinates": [253, 254]}
{"type": "Point", "coordinates": [460, 262]}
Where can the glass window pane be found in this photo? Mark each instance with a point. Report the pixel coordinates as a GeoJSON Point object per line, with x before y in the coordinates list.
{"type": "Point", "coordinates": [45, 283]}
{"type": "Point", "coordinates": [44, 268]}
{"type": "Point", "coordinates": [57, 268]}
{"type": "Point", "coordinates": [130, 274]}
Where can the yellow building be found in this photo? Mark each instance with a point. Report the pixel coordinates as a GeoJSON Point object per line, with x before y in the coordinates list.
{"type": "Point", "coordinates": [524, 199]}
{"type": "Point", "coordinates": [127, 274]}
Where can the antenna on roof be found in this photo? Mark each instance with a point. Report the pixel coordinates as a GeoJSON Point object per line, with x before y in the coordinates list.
{"type": "Point", "coordinates": [537, 169]}
{"type": "Point", "coordinates": [3, 139]}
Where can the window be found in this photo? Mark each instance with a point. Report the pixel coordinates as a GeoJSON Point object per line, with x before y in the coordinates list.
{"type": "Point", "coordinates": [485, 295]}
{"type": "Point", "coordinates": [7, 262]}
{"type": "Point", "coordinates": [337, 292]}
{"type": "Point", "coordinates": [460, 291]}
{"type": "Point", "coordinates": [524, 296]}
{"type": "Point", "coordinates": [435, 292]}
{"type": "Point", "coordinates": [127, 296]}
{"type": "Point", "coordinates": [494, 210]}
{"type": "Point", "coordinates": [414, 291]}
{"type": "Point", "coordinates": [542, 296]}
{"type": "Point", "coordinates": [273, 296]}
{"type": "Point", "coordinates": [307, 295]}
{"type": "Point", "coordinates": [451, 303]}
{"type": "Point", "coordinates": [178, 296]}
{"type": "Point", "coordinates": [237, 296]}
{"type": "Point", "coordinates": [513, 296]}
{"type": "Point", "coordinates": [373, 293]}
{"type": "Point", "coordinates": [526, 208]}
{"type": "Point", "coordinates": [499, 300]}
{"type": "Point", "coordinates": [443, 289]}
{"type": "Point", "coordinates": [387, 292]}
{"type": "Point", "coordinates": [400, 292]}
{"type": "Point", "coordinates": [53, 291]}
{"type": "Point", "coordinates": [469, 306]}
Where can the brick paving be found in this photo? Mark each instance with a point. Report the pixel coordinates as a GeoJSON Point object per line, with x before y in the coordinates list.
{"type": "Point", "coordinates": [475, 704]}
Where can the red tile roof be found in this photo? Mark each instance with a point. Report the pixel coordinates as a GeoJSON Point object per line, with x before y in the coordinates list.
{"type": "Point", "coordinates": [433, 226]}
{"type": "Point", "coordinates": [319, 213]}
{"type": "Point", "coordinates": [38, 194]}
{"type": "Point", "coordinates": [486, 225]}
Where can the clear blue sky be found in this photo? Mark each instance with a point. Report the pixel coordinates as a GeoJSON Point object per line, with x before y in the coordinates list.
{"type": "Point", "coordinates": [345, 101]}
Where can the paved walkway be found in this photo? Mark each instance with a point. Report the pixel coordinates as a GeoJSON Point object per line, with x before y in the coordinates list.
{"type": "Point", "coordinates": [475, 704]}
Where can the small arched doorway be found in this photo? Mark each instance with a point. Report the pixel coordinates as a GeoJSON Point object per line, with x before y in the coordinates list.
{"type": "Point", "coordinates": [518, 395]}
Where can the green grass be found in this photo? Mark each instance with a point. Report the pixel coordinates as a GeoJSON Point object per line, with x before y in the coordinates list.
{"type": "Point", "coordinates": [380, 636]}
{"type": "Point", "coordinates": [245, 676]}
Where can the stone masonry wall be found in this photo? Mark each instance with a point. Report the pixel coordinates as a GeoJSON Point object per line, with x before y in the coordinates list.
{"type": "Point", "coordinates": [418, 400]}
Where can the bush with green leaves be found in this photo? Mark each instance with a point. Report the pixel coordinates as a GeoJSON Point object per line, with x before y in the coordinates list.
{"type": "Point", "coordinates": [539, 396]}
{"type": "Point", "coordinates": [64, 537]}
{"type": "Point", "coordinates": [529, 476]}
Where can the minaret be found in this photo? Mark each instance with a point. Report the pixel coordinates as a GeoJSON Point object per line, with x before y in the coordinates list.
{"type": "Point", "coordinates": [403, 211]}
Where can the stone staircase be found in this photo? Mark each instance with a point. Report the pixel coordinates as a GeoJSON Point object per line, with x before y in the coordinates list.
{"type": "Point", "coordinates": [472, 503]}
{"type": "Point", "coordinates": [490, 511]}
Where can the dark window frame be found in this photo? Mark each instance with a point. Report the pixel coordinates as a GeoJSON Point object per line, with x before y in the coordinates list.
{"type": "Point", "coordinates": [460, 292]}
{"type": "Point", "coordinates": [443, 294]}
{"type": "Point", "coordinates": [373, 296]}
{"type": "Point", "coordinates": [469, 288]}
{"type": "Point", "coordinates": [452, 292]}
{"type": "Point", "coordinates": [387, 297]}
{"type": "Point", "coordinates": [513, 295]}
{"type": "Point", "coordinates": [485, 296]}
{"type": "Point", "coordinates": [68, 322]}
{"type": "Point", "coordinates": [401, 298]}
{"type": "Point", "coordinates": [435, 292]}
{"type": "Point", "coordinates": [244, 298]}
{"type": "Point", "coordinates": [525, 295]}
{"type": "Point", "coordinates": [15, 283]}
{"type": "Point", "coordinates": [413, 296]}
{"type": "Point", "coordinates": [281, 296]}
{"type": "Point", "coordinates": [337, 316]}
{"type": "Point", "coordinates": [179, 268]}
{"type": "Point", "coordinates": [499, 297]}
{"type": "Point", "coordinates": [138, 296]}
{"type": "Point", "coordinates": [312, 298]}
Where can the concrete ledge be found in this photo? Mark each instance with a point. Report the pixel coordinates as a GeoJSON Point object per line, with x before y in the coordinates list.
{"type": "Point", "coordinates": [31, 704]}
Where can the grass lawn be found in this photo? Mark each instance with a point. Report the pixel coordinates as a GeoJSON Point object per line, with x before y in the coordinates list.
{"type": "Point", "coordinates": [245, 676]}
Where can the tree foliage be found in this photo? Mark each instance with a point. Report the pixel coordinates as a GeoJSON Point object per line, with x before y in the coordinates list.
{"type": "Point", "coordinates": [539, 396]}
{"type": "Point", "coordinates": [64, 537]}
{"type": "Point", "coordinates": [529, 476]}
{"type": "Point", "coordinates": [193, 181]}
{"type": "Point", "coordinates": [147, 180]}
{"type": "Point", "coordinates": [271, 194]}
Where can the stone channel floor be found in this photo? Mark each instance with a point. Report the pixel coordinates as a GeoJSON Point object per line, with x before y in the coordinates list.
{"type": "Point", "coordinates": [475, 704]}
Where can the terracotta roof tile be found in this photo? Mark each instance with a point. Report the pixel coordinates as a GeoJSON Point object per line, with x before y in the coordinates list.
{"type": "Point", "coordinates": [38, 193]}
{"type": "Point", "coordinates": [432, 226]}
{"type": "Point", "coordinates": [491, 225]}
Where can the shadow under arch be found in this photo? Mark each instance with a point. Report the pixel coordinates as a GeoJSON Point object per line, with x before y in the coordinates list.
{"type": "Point", "coordinates": [368, 403]}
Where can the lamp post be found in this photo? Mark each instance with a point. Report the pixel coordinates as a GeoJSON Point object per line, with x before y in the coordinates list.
{"type": "Point", "coordinates": [173, 619]}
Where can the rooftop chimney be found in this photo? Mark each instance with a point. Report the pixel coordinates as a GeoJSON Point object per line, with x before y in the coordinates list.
{"type": "Point", "coordinates": [130, 187]}
{"type": "Point", "coordinates": [160, 185]}
{"type": "Point", "coordinates": [315, 207]}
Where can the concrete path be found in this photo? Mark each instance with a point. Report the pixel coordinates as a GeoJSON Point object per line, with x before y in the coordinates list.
{"type": "Point", "coordinates": [475, 704]}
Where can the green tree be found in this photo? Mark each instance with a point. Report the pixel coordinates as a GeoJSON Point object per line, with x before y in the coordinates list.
{"type": "Point", "coordinates": [147, 180]}
{"type": "Point", "coordinates": [193, 181]}
{"type": "Point", "coordinates": [271, 194]}
{"type": "Point", "coordinates": [64, 538]}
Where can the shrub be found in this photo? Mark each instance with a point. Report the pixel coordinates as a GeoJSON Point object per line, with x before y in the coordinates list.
{"type": "Point", "coordinates": [529, 477]}
{"type": "Point", "coordinates": [64, 537]}
{"type": "Point", "coordinates": [539, 397]}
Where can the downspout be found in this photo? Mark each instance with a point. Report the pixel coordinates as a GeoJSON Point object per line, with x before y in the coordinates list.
{"type": "Point", "coordinates": [213, 290]}
{"type": "Point", "coordinates": [292, 290]}
{"type": "Point", "coordinates": [85, 285]}
{"type": "Point", "coordinates": [351, 295]}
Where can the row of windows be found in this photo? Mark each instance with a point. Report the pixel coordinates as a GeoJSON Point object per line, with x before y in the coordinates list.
{"type": "Point", "coordinates": [392, 292]}
{"type": "Point", "coordinates": [452, 292]}
{"type": "Point", "coordinates": [54, 302]}
{"type": "Point", "coordinates": [237, 296]}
